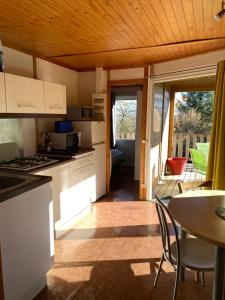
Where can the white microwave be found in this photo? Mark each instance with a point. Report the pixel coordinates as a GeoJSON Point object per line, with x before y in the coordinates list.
{"type": "Point", "coordinates": [79, 113]}
{"type": "Point", "coordinates": [65, 141]}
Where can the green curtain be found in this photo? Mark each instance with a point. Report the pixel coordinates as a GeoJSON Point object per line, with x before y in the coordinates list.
{"type": "Point", "coordinates": [216, 160]}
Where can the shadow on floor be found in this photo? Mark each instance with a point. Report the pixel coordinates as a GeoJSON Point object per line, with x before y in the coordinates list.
{"type": "Point", "coordinates": [117, 280]}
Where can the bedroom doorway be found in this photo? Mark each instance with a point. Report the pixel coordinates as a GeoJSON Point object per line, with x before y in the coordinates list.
{"type": "Point", "coordinates": [125, 141]}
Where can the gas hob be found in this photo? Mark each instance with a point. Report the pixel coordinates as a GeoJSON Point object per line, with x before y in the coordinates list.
{"type": "Point", "coordinates": [27, 163]}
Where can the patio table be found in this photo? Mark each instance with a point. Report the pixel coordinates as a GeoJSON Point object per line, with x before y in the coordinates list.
{"type": "Point", "coordinates": [195, 211]}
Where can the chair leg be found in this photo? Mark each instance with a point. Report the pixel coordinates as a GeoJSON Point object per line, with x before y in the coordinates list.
{"type": "Point", "coordinates": [159, 270]}
{"type": "Point", "coordinates": [182, 274]}
{"type": "Point", "coordinates": [203, 279]}
{"type": "Point", "coordinates": [176, 282]}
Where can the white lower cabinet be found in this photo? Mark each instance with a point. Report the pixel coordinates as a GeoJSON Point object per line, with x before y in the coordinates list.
{"type": "Point", "coordinates": [27, 242]}
{"type": "Point", "coordinates": [73, 188]}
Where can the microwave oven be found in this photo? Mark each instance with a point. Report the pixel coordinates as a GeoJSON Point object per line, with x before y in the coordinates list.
{"type": "Point", "coordinates": [65, 141]}
{"type": "Point", "coordinates": [79, 113]}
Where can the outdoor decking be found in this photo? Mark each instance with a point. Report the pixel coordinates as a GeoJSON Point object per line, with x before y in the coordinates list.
{"type": "Point", "coordinates": [168, 184]}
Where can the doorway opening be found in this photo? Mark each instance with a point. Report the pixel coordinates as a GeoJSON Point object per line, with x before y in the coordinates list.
{"type": "Point", "coordinates": [125, 139]}
{"type": "Point", "coordinates": [187, 129]}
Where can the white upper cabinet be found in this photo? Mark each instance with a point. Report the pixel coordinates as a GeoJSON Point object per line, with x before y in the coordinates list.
{"type": "Point", "coordinates": [2, 94]}
{"type": "Point", "coordinates": [24, 95]}
{"type": "Point", "coordinates": [55, 98]}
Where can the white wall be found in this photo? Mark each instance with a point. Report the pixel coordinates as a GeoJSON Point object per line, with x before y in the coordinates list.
{"type": "Point", "coordinates": [190, 63]}
{"type": "Point", "coordinates": [17, 62]}
{"type": "Point", "coordinates": [86, 87]}
{"type": "Point", "coordinates": [138, 136]}
{"type": "Point", "coordinates": [126, 74]}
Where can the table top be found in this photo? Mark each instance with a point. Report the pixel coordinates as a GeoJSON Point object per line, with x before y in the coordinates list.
{"type": "Point", "coordinates": [195, 211]}
{"type": "Point", "coordinates": [201, 193]}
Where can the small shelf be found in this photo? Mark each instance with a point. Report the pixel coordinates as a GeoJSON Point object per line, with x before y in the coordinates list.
{"type": "Point", "coordinates": [98, 104]}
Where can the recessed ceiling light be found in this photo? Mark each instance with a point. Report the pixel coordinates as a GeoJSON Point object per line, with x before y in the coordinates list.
{"type": "Point", "coordinates": [221, 13]}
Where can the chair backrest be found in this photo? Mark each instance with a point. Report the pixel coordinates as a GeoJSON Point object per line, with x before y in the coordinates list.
{"type": "Point", "coordinates": [204, 147]}
{"type": "Point", "coordinates": [165, 216]}
{"type": "Point", "coordinates": [199, 160]}
{"type": "Point", "coordinates": [192, 185]}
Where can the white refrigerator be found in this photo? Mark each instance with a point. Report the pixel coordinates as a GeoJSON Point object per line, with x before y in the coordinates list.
{"type": "Point", "coordinates": [93, 135]}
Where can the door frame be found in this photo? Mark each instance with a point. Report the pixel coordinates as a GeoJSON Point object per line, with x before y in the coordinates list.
{"type": "Point", "coordinates": [130, 82]}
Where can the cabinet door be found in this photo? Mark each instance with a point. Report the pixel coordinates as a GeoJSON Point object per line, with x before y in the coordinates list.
{"type": "Point", "coordinates": [24, 95]}
{"type": "Point", "coordinates": [81, 189]}
{"type": "Point", "coordinates": [100, 170]}
{"type": "Point", "coordinates": [2, 94]}
{"type": "Point", "coordinates": [55, 98]}
{"type": "Point", "coordinates": [61, 190]}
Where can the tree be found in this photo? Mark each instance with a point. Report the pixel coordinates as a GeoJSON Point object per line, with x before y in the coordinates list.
{"type": "Point", "coordinates": [126, 116]}
{"type": "Point", "coordinates": [194, 112]}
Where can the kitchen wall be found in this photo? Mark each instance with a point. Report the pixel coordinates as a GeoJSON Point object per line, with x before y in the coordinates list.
{"type": "Point", "coordinates": [17, 62]}
{"type": "Point", "coordinates": [10, 131]}
{"type": "Point", "coordinates": [23, 131]}
{"type": "Point", "coordinates": [86, 87]}
{"type": "Point", "coordinates": [80, 86]}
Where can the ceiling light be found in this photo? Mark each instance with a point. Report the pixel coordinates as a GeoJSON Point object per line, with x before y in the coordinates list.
{"type": "Point", "coordinates": [221, 13]}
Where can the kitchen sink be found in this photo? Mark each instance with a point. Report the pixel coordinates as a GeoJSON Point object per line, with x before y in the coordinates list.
{"type": "Point", "coordinates": [8, 182]}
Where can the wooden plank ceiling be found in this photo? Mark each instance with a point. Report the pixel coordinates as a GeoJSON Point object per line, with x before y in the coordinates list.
{"type": "Point", "coordinates": [84, 34]}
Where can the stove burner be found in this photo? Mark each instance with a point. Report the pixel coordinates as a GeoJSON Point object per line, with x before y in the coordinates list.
{"type": "Point", "coordinates": [27, 163]}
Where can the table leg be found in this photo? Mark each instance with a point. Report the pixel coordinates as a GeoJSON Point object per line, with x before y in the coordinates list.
{"type": "Point", "coordinates": [219, 274]}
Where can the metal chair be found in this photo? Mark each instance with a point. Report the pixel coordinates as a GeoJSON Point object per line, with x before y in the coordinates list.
{"type": "Point", "coordinates": [193, 254]}
{"type": "Point", "coordinates": [191, 185]}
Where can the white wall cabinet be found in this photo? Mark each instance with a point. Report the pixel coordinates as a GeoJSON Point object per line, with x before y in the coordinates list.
{"type": "Point", "coordinates": [2, 94]}
{"type": "Point", "coordinates": [23, 95]}
{"type": "Point", "coordinates": [54, 98]}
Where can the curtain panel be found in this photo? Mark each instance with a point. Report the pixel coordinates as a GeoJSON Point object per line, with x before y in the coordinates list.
{"type": "Point", "coordinates": [216, 160]}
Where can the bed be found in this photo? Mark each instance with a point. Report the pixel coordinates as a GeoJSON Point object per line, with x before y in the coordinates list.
{"type": "Point", "coordinates": [117, 157]}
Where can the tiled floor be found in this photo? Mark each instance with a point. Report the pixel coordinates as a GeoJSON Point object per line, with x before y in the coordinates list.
{"type": "Point", "coordinates": [113, 255]}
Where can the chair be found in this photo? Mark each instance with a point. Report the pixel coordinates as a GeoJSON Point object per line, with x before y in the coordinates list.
{"type": "Point", "coordinates": [199, 161]}
{"type": "Point", "coordinates": [191, 185]}
{"type": "Point", "coordinates": [193, 254]}
{"type": "Point", "coordinates": [204, 147]}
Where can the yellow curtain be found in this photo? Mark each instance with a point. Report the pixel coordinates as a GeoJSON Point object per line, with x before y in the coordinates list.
{"type": "Point", "coordinates": [216, 160]}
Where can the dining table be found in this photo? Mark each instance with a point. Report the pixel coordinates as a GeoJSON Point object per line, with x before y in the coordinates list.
{"type": "Point", "coordinates": [195, 211]}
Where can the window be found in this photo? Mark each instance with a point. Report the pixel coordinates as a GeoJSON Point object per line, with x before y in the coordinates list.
{"type": "Point", "coordinates": [125, 119]}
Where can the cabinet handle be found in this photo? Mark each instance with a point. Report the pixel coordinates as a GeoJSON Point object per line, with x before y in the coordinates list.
{"type": "Point", "coordinates": [55, 107]}
{"type": "Point", "coordinates": [63, 169]}
{"type": "Point", "coordinates": [25, 105]}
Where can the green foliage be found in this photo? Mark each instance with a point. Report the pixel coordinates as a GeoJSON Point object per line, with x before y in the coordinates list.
{"type": "Point", "coordinates": [194, 112]}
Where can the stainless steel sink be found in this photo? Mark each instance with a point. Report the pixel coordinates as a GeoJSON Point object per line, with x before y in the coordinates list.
{"type": "Point", "coordinates": [8, 182]}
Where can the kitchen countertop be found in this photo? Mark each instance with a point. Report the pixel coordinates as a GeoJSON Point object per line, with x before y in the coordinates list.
{"type": "Point", "coordinates": [27, 182]}
{"type": "Point", "coordinates": [32, 181]}
{"type": "Point", "coordinates": [68, 153]}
